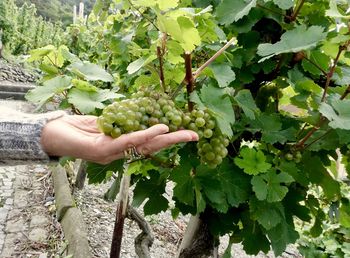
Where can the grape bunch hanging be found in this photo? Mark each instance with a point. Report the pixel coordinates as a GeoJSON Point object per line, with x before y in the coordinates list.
{"type": "Point", "coordinates": [147, 108]}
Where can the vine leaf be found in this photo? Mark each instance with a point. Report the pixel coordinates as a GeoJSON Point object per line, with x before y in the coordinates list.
{"type": "Point", "coordinates": [151, 189]}
{"type": "Point", "coordinates": [246, 102]}
{"type": "Point", "coordinates": [87, 101]}
{"type": "Point", "coordinates": [334, 12]}
{"type": "Point", "coordinates": [254, 239]}
{"type": "Point", "coordinates": [182, 175]}
{"type": "Point", "coordinates": [97, 173]}
{"type": "Point", "coordinates": [318, 174]}
{"type": "Point", "coordinates": [252, 161]}
{"type": "Point", "coordinates": [300, 38]}
{"type": "Point", "coordinates": [163, 5]}
{"type": "Point", "coordinates": [338, 113]}
{"type": "Point", "coordinates": [267, 214]}
{"type": "Point", "coordinates": [209, 183]}
{"type": "Point", "coordinates": [282, 235]}
{"type": "Point", "coordinates": [234, 183]}
{"type": "Point", "coordinates": [223, 74]}
{"type": "Point", "coordinates": [181, 29]}
{"type": "Point", "coordinates": [342, 76]}
{"type": "Point", "coordinates": [283, 4]}
{"type": "Point", "coordinates": [41, 94]}
{"type": "Point", "coordinates": [139, 63]}
{"type": "Point", "coordinates": [231, 11]}
{"type": "Point", "coordinates": [218, 102]}
{"type": "Point", "coordinates": [38, 54]}
{"type": "Point", "coordinates": [270, 186]}
{"type": "Point", "coordinates": [90, 72]}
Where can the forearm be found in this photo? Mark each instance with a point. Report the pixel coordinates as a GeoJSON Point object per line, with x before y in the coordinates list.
{"type": "Point", "coordinates": [20, 135]}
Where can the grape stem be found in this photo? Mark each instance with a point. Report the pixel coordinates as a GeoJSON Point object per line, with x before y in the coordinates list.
{"type": "Point", "coordinates": [121, 213]}
{"type": "Point", "coordinates": [196, 74]}
{"type": "Point", "coordinates": [161, 69]}
{"type": "Point", "coordinates": [189, 79]}
{"type": "Point", "coordinates": [216, 55]}
{"type": "Point", "coordinates": [332, 69]}
{"type": "Point", "coordinates": [297, 10]}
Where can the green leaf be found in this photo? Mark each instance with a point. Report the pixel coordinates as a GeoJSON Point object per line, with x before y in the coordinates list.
{"type": "Point", "coordinates": [298, 39]}
{"type": "Point", "coordinates": [254, 239]}
{"type": "Point", "coordinates": [282, 235]}
{"type": "Point", "coordinates": [252, 161]}
{"type": "Point", "coordinates": [334, 12]}
{"type": "Point", "coordinates": [163, 5]}
{"type": "Point", "coordinates": [270, 186]}
{"type": "Point", "coordinates": [182, 176]}
{"type": "Point", "coordinates": [42, 94]}
{"type": "Point", "coordinates": [217, 101]}
{"type": "Point", "coordinates": [87, 101]}
{"type": "Point", "coordinates": [223, 74]}
{"type": "Point", "coordinates": [231, 11]}
{"type": "Point", "coordinates": [319, 58]}
{"type": "Point", "coordinates": [344, 214]}
{"type": "Point", "coordinates": [90, 72]}
{"type": "Point", "coordinates": [245, 101]}
{"type": "Point", "coordinates": [284, 4]}
{"type": "Point", "coordinates": [342, 76]}
{"type": "Point", "coordinates": [190, 35]}
{"type": "Point", "coordinates": [96, 173]}
{"type": "Point", "coordinates": [38, 54]}
{"type": "Point", "coordinates": [139, 63]}
{"type": "Point", "coordinates": [84, 85]}
{"type": "Point", "coordinates": [319, 175]}
{"type": "Point", "coordinates": [207, 180]}
{"type": "Point", "coordinates": [338, 114]}
{"type": "Point", "coordinates": [234, 183]}
{"type": "Point", "coordinates": [152, 190]}
{"type": "Point", "coordinates": [269, 215]}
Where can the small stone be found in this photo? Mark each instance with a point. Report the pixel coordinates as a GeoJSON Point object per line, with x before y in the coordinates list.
{"type": "Point", "coordinates": [38, 220]}
{"type": "Point", "coordinates": [38, 235]}
{"type": "Point", "coordinates": [15, 225]}
{"type": "Point", "coordinates": [43, 255]}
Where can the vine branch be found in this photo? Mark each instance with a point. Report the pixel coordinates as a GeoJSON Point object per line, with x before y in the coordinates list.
{"type": "Point", "coordinates": [161, 68]}
{"type": "Point", "coordinates": [145, 239]}
{"type": "Point", "coordinates": [346, 93]}
{"type": "Point", "coordinates": [189, 79]}
{"type": "Point", "coordinates": [297, 10]}
{"type": "Point", "coordinates": [316, 65]}
{"type": "Point", "coordinates": [148, 19]}
{"type": "Point", "coordinates": [332, 69]}
{"type": "Point", "coordinates": [216, 55]}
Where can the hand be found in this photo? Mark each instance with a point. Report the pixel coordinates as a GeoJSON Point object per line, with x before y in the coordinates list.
{"type": "Point", "coordinates": [78, 136]}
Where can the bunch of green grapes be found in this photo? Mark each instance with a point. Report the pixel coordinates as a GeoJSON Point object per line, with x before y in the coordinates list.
{"type": "Point", "coordinates": [212, 144]}
{"type": "Point", "coordinates": [147, 108]}
{"type": "Point", "coordinates": [142, 110]}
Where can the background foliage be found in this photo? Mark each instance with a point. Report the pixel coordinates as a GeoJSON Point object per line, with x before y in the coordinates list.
{"type": "Point", "coordinates": [279, 92]}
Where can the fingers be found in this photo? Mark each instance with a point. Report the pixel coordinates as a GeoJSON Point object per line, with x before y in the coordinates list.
{"type": "Point", "coordinates": [163, 141]}
{"type": "Point", "coordinates": [148, 141]}
{"type": "Point", "coordinates": [136, 138]}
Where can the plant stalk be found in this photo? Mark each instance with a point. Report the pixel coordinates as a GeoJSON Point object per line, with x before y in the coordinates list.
{"type": "Point", "coordinates": [216, 55]}
{"type": "Point", "coordinates": [121, 213]}
{"type": "Point", "coordinates": [189, 79]}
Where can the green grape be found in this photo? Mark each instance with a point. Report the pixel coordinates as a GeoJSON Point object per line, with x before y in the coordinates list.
{"type": "Point", "coordinates": [208, 133]}
{"type": "Point", "coordinates": [210, 124]}
{"type": "Point", "coordinates": [289, 156]}
{"type": "Point", "coordinates": [164, 120]}
{"type": "Point", "coordinates": [210, 156]}
{"type": "Point", "coordinates": [116, 132]}
{"type": "Point", "coordinates": [153, 121]}
{"type": "Point", "coordinates": [176, 120]}
{"type": "Point", "coordinates": [186, 119]}
{"type": "Point", "coordinates": [200, 122]}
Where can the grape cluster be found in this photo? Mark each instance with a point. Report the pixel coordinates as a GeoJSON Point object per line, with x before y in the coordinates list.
{"type": "Point", "coordinates": [142, 110]}
{"type": "Point", "coordinates": [212, 144]}
{"type": "Point", "coordinates": [147, 108]}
